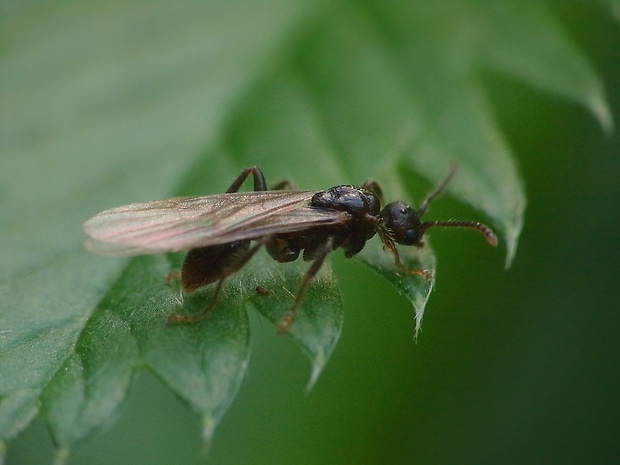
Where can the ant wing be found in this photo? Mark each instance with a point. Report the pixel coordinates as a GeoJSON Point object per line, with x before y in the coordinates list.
{"type": "Point", "coordinates": [185, 223]}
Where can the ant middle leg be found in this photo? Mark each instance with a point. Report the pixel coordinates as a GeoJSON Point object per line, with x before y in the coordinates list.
{"type": "Point", "coordinates": [319, 258]}
{"type": "Point", "coordinates": [259, 180]}
{"type": "Point", "coordinates": [205, 254]}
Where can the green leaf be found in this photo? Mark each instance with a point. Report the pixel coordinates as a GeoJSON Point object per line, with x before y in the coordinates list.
{"type": "Point", "coordinates": [416, 288]}
{"type": "Point", "coordinates": [318, 321]}
{"type": "Point", "coordinates": [203, 363]}
{"type": "Point", "coordinates": [107, 104]}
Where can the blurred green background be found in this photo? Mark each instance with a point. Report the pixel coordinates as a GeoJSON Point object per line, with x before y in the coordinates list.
{"type": "Point", "coordinates": [516, 366]}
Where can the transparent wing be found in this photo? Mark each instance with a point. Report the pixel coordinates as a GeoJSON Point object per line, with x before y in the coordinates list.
{"type": "Point", "coordinates": [189, 222]}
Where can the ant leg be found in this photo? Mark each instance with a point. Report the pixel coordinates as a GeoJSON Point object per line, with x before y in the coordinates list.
{"type": "Point", "coordinates": [178, 318]}
{"type": "Point", "coordinates": [389, 244]}
{"type": "Point", "coordinates": [310, 274]}
{"type": "Point", "coordinates": [419, 272]}
{"type": "Point", "coordinates": [234, 267]}
{"type": "Point", "coordinates": [374, 187]}
{"type": "Point", "coordinates": [284, 185]}
{"type": "Point", "coordinates": [173, 275]}
{"type": "Point", "coordinates": [259, 180]}
{"type": "Point", "coordinates": [259, 185]}
{"type": "Point", "coordinates": [438, 190]}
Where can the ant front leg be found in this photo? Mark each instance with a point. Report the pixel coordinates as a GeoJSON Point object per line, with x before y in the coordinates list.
{"type": "Point", "coordinates": [389, 244]}
{"type": "Point", "coordinates": [426, 274]}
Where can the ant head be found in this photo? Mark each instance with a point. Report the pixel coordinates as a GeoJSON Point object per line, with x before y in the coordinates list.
{"type": "Point", "coordinates": [403, 222]}
{"type": "Point", "coordinates": [405, 226]}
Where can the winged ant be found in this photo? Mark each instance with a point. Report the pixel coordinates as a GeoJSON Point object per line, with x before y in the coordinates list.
{"type": "Point", "coordinates": [223, 232]}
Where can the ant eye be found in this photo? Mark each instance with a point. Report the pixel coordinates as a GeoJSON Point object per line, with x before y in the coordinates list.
{"type": "Point", "coordinates": [410, 236]}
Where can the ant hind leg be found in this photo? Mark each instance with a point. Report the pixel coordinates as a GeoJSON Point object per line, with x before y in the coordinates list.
{"type": "Point", "coordinates": [179, 318]}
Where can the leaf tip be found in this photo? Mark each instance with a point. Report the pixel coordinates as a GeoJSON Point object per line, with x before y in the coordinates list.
{"type": "Point", "coordinates": [419, 305]}
{"type": "Point", "coordinates": [62, 456]}
{"type": "Point", "coordinates": [511, 235]}
{"type": "Point", "coordinates": [318, 363]}
{"type": "Point", "coordinates": [597, 104]}
{"type": "Point", "coordinates": [208, 428]}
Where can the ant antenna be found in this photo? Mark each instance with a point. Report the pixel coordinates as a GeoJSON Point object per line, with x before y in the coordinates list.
{"type": "Point", "coordinates": [424, 204]}
{"type": "Point", "coordinates": [485, 230]}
